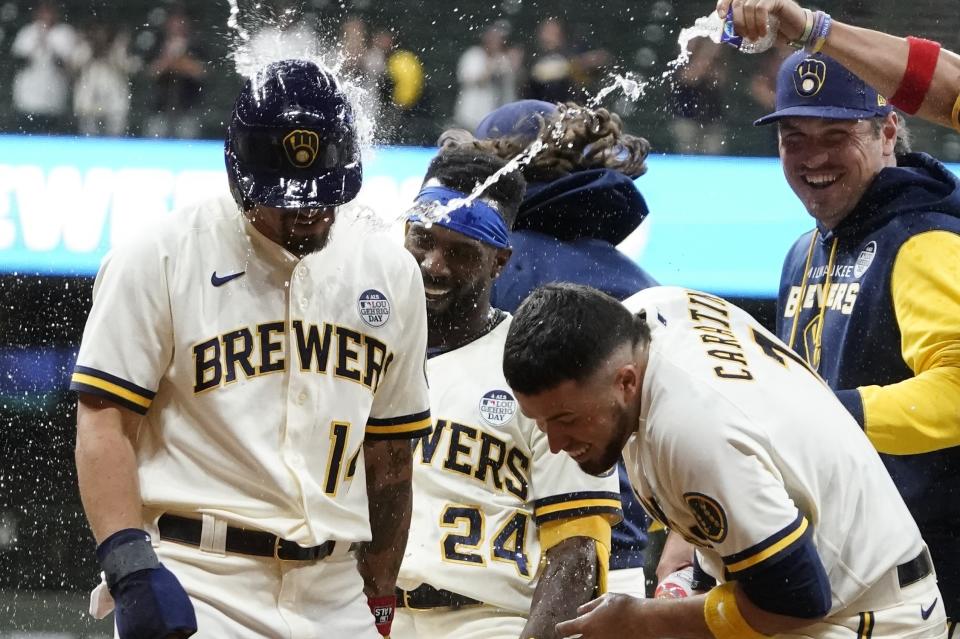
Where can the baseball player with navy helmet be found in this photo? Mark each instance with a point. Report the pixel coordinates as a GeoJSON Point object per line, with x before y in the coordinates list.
{"type": "Point", "coordinates": [248, 384]}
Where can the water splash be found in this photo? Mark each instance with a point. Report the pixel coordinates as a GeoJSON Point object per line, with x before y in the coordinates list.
{"type": "Point", "coordinates": [633, 88]}
{"type": "Point", "coordinates": [268, 39]}
{"type": "Point", "coordinates": [265, 40]}
{"type": "Point", "coordinates": [437, 212]}
{"type": "Point", "coordinates": [233, 21]}
{"type": "Point", "coordinates": [709, 26]}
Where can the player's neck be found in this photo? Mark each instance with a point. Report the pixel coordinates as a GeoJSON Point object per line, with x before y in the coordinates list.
{"type": "Point", "coordinates": [448, 332]}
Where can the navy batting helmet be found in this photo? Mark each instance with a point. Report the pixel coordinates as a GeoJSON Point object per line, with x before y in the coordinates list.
{"type": "Point", "coordinates": [291, 142]}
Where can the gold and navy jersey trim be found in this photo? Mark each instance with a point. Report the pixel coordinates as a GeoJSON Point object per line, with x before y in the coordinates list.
{"type": "Point", "coordinates": [743, 563]}
{"type": "Point", "coordinates": [578, 504]}
{"type": "Point", "coordinates": [865, 629]}
{"type": "Point", "coordinates": [403, 427]}
{"type": "Point", "coordinates": [120, 391]}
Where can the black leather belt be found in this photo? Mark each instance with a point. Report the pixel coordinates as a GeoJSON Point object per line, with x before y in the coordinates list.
{"type": "Point", "coordinates": [426, 597]}
{"type": "Point", "coordinates": [242, 540]}
{"type": "Point", "coordinates": [915, 569]}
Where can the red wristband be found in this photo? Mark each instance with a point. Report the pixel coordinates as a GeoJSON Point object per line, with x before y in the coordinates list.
{"type": "Point", "coordinates": [921, 63]}
{"type": "Point", "coordinates": [382, 609]}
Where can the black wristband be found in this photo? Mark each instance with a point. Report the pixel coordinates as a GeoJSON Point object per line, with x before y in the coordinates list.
{"type": "Point", "coordinates": [125, 552]}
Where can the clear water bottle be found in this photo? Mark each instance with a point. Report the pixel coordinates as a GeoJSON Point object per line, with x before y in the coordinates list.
{"type": "Point", "coordinates": [721, 30]}
{"type": "Point", "coordinates": [750, 46]}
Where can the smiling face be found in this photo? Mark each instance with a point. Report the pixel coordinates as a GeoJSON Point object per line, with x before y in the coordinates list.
{"type": "Point", "coordinates": [300, 231]}
{"type": "Point", "coordinates": [592, 420]}
{"type": "Point", "coordinates": [830, 164]}
{"type": "Point", "coordinates": [458, 273]}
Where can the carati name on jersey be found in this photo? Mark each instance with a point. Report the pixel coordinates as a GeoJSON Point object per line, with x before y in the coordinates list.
{"type": "Point", "coordinates": [477, 454]}
{"type": "Point", "coordinates": [324, 348]}
{"type": "Point", "coordinates": [711, 321]}
{"type": "Point", "coordinates": [841, 296]}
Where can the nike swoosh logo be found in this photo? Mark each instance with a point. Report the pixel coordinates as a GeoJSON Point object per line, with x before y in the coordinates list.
{"type": "Point", "coordinates": [220, 281]}
{"type": "Point", "coordinates": [926, 613]}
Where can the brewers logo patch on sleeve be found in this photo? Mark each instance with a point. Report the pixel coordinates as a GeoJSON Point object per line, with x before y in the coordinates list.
{"type": "Point", "coordinates": [710, 516]}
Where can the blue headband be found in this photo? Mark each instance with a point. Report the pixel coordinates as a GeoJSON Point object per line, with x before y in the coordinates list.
{"type": "Point", "coordinates": [478, 220]}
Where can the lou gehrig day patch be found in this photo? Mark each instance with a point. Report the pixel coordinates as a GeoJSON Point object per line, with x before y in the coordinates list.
{"type": "Point", "coordinates": [497, 407]}
{"type": "Point", "coordinates": [711, 519]}
{"type": "Point", "coordinates": [374, 307]}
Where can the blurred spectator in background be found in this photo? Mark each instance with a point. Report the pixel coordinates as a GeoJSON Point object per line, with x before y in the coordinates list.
{"type": "Point", "coordinates": [550, 76]}
{"type": "Point", "coordinates": [763, 85]}
{"type": "Point", "coordinates": [589, 61]}
{"type": "Point", "coordinates": [353, 45]}
{"type": "Point", "coordinates": [401, 85]}
{"type": "Point", "coordinates": [101, 95]}
{"type": "Point", "coordinates": [487, 74]}
{"type": "Point", "coordinates": [41, 88]}
{"type": "Point", "coordinates": [178, 73]}
{"type": "Point", "coordinates": [697, 100]}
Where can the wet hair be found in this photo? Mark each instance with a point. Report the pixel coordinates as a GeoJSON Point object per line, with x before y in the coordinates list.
{"type": "Point", "coordinates": [904, 142]}
{"type": "Point", "coordinates": [585, 139]}
{"type": "Point", "coordinates": [566, 332]}
{"type": "Point", "coordinates": [464, 167]}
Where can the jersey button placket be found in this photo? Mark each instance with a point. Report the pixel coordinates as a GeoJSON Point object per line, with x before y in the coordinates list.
{"type": "Point", "coordinates": [298, 287]}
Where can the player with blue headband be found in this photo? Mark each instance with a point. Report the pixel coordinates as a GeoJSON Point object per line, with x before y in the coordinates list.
{"type": "Point", "coordinates": [476, 218]}
{"type": "Point", "coordinates": [461, 243]}
{"type": "Point", "coordinates": [539, 527]}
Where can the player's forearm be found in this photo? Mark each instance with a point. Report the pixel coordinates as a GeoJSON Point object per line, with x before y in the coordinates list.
{"type": "Point", "coordinates": [686, 619]}
{"type": "Point", "coordinates": [767, 623]}
{"type": "Point", "coordinates": [677, 553]}
{"type": "Point", "coordinates": [569, 580]}
{"type": "Point", "coordinates": [107, 470]}
{"type": "Point", "coordinates": [389, 467]}
{"type": "Point", "coordinates": [881, 60]}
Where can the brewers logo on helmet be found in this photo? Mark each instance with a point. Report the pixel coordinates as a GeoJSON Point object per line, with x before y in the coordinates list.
{"type": "Point", "coordinates": [301, 147]}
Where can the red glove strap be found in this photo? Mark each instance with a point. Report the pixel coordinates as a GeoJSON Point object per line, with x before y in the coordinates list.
{"type": "Point", "coordinates": [382, 609]}
{"type": "Point", "coordinates": [921, 63]}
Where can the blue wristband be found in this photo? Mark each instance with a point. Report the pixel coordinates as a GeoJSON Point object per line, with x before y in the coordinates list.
{"type": "Point", "coordinates": [124, 552]}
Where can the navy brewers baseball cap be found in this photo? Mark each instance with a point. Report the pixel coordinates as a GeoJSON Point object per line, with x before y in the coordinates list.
{"type": "Point", "coordinates": [518, 119]}
{"type": "Point", "coordinates": [817, 86]}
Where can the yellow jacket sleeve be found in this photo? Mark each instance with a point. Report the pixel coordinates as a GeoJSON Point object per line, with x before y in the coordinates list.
{"type": "Point", "coordinates": [922, 414]}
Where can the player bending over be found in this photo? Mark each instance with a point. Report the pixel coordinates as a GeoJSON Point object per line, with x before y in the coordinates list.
{"type": "Point", "coordinates": [734, 443]}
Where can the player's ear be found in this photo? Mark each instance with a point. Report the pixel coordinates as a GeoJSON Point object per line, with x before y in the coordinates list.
{"type": "Point", "coordinates": [628, 381]}
{"type": "Point", "coordinates": [889, 130]}
{"type": "Point", "coordinates": [500, 261]}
